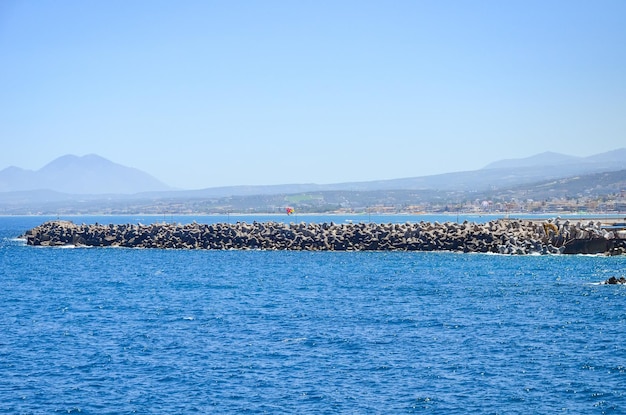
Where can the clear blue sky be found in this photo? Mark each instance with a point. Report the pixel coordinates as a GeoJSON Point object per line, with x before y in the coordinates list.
{"type": "Point", "coordinates": [211, 93]}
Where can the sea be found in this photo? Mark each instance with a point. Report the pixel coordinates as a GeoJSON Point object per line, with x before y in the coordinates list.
{"type": "Point", "coordinates": [150, 331]}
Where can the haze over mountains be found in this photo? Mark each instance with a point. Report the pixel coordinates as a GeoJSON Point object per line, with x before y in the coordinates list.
{"type": "Point", "coordinates": [93, 175]}
{"type": "Point", "coordinates": [611, 159]}
{"type": "Point", "coordinates": [90, 174]}
{"type": "Point", "coordinates": [70, 181]}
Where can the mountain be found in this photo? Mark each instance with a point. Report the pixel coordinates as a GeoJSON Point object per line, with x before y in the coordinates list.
{"type": "Point", "coordinates": [90, 174]}
{"type": "Point", "coordinates": [497, 175]}
{"type": "Point", "coordinates": [95, 175]}
{"type": "Point", "coordinates": [604, 187]}
{"type": "Point", "coordinates": [15, 179]}
{"type": "Point", "coordinates": [610, 157]}
{"type": "Point", "coordinates": [615, 159]}
{"type": "Point", "coordinates": [543, 159]}
{"type": "Point", "coordinates": [501, 174]}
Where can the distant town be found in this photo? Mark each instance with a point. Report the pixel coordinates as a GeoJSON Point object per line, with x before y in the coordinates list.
{"type": "Point", "coordinates": [613, 204]}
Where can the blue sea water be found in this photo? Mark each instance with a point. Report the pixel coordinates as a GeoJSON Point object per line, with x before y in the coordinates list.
{"type": "Point", "coordinates": [112, 330]}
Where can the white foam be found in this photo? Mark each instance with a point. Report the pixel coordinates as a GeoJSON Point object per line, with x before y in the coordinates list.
{"type": "Point", "coordinates": [295, 340]}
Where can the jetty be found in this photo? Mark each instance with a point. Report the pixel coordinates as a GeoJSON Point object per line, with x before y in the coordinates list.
{"type": "Point", "coordinates": [502, 236]}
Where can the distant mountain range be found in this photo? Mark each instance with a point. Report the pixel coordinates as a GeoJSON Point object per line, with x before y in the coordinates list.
{"type": "Point", "coordinates": [612, 159]}
{"type": "Point", "coordinates": [90, 174]}
{"type": "Point", "coordinates": [87, 183]}
{"type": "Point", "coordinates": [500, 174]}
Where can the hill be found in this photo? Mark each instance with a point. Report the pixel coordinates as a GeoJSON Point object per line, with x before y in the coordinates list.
{"type": "Point", "coordinates": [91, 184]}
{"type": "Point", "coordinates": [606, 186]}
{"type": "Point", "coordinates": [90, 174]}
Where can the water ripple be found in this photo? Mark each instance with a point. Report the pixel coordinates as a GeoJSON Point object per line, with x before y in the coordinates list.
{"type": "Point", "coordinates": [120, 331]}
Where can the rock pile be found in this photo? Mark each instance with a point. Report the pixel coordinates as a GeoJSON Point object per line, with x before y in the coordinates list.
{"type": "Point", "coordinates": [615, 280]}
{"type": "Point", "coordinates": [499, 236]}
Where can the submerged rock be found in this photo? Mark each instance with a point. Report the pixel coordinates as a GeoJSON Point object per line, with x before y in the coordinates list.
{"type": "Point", "coordinates": [615, 280]}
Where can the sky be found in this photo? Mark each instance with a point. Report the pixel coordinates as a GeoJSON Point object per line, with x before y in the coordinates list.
{"type": "Point", "coordinates": [217, 93]}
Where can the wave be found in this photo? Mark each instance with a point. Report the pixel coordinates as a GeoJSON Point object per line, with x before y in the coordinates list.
{"type": "Point", "coordinates": [295, 340]}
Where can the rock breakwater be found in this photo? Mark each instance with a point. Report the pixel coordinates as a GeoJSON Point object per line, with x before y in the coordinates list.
{"type": "Point", "coordinates": [502, 236]}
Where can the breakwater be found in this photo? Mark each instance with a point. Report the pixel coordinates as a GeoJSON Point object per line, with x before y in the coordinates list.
{"type": "Point", "coordinates": [502, 236]}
